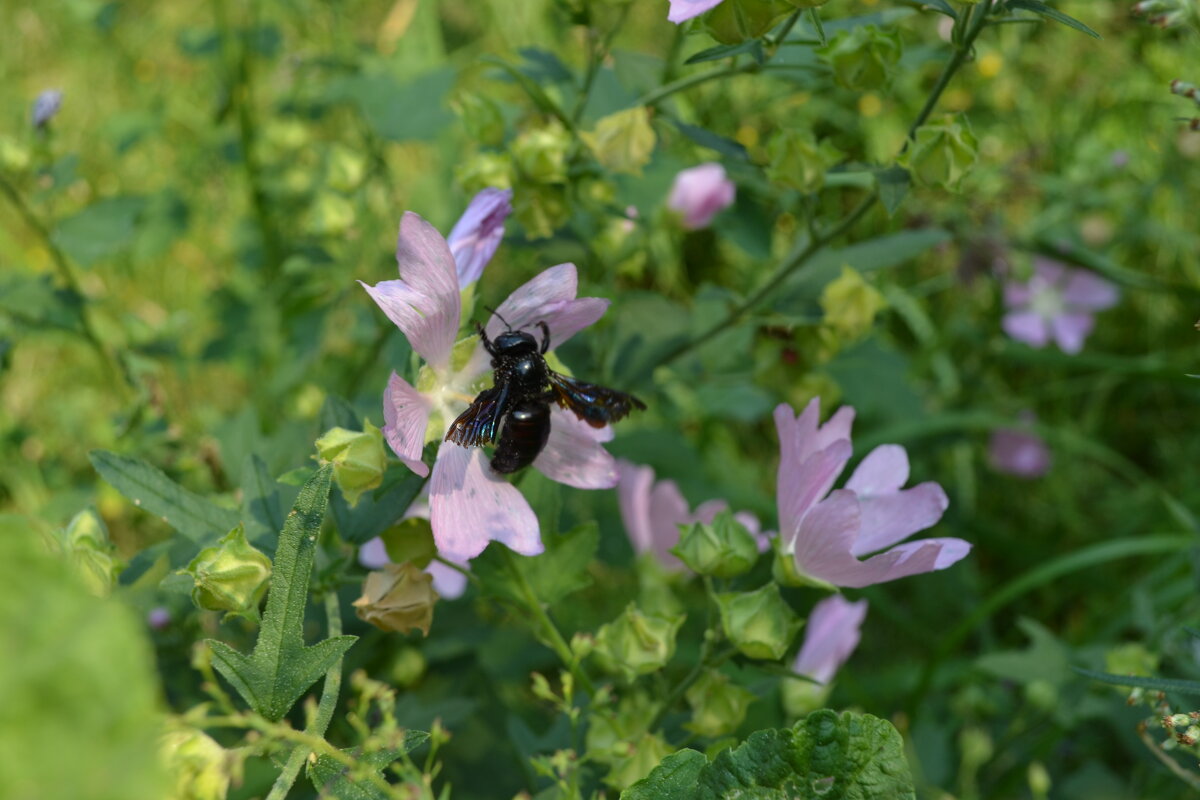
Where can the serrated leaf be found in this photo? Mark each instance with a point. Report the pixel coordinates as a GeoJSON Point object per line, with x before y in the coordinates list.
{"type": "Point", "coordinates": [281, 668]}
{"type": "Point", "coordinates": [1175, 685]}
{"type": "Point", "coordinates": [752, 46]}
{"type": "Point", "coordinates": [824, 757]}
{"type": "Point", "coordinates": [332, 779]}
{"type": "Point", "coordinates": [150, 489]}
{"type": "Point", "coordinates": [553, 575]}
{"type": "Point", "coordinates": [1038, 7]}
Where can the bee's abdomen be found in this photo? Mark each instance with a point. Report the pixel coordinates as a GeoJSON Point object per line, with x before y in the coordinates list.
{"type": "Point", "coordinates": [526, 429]}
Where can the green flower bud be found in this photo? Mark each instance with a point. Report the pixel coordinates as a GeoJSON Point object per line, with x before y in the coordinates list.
{"type": "Point", "coordinates": [644, 755]}
{"type": "Point", "coordinates": [718, 705]}
{"type": "Point", "coordinates": [330, 214]}
{"type": "Point", "coordinates": [942, 153]}
{"type": "Point", "coordinates": [1042, 695]}
{"type": "Point", "coordinates": [481, 117]}
{"type": "Point", "coordinates": [799, 161]}
{"type": "Point", "coordinates": [201, 767]}
{"type": "Point", "coordinates": [408, 666]}
{"type": "Point", "coordinates": [759, 623]}
{"type": "Point", "coordinates": [862, 57]}
{"type": "Point", "coordinates": [399, 597]}
{"type": "Point", "coordinates": [801, 697]}
{"type": "Point", "coordinates": [541, 153]}
{"type": "Point", "coordinates": [344, 168]}
{"type": "Point", "coordinates": [1039, 780]}
{"type": "Point", "coordinates": [722, 549]}
{"type": "Point", "coordinates": [976, 746]}
{"type": "Point", "coordinates": [735, 21]}
{"type": "Point", "coordinates": [637, 644]}
{"type": "Point", "coordinates": [358, 459]}
{"type": "Point", "coordinates": [86, 545]}
{"type": "Point", "coordinates": [1131, 658]}
{"type": "Point", "coordinates": [624, 141]}
{"type": "Point", "coordinates": [610, 731]}
{"type": "Point", "coordinates": [541, 210]}
{"type": "Point", "coordinates": [14, 156]}
{"type": "Point", "coordinates": [850, 305]}
{"type": "Point", "coordinates": [410, 540]}
{"type": "Point", "coordinates": [483, 170]}
{"type": "Point", "coordinates": [232, 576]}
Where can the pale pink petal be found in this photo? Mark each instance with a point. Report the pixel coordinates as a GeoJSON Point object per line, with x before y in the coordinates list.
{"type": "Point", "coordinates": [830, 636]}
{"type": "Point", "coordinates": [1091, 292]}
{"type": "Point", "coordinates": [762, 538]}
{"type": "Point", "coordinates": [1027, 326]}
{"type": "Point", "coordinates": [1049, 270]}
{"type": "Point", "coordinates": [890, 518]}
{"type": "Point", "coordinates": [633, 497]}
{"type": "Point", "coordinates": [405, 418]}
{"type": "Point", "coordinates": [800, 486]}
{"type": "Point", "coordinates": [478, 233]}
{"type": "Point", "coordinates": [912, 558]}
{"type": "Point", "coordinates": [683, 10]}
{"type": "Point", "coordinates": [550, 298]}
{"type": "Point", "coordinates": [707, 511]}
{"type": "Point", "coordinates": [1017, 295]}
{"type": "Point", "coordinates": [574, 454]}
{"type": "Point", "coordinates": [668, 510]}
{"type": "Point", "coordinates": [1018, 452]}
{"type": "Point", "coordinates": [883, 471]}
{"type": "Point", "coordinates": [373, 554]}
{"type": "Point", "coordinates": [470, 505]}
{"type": "Point", "coordinates": [699, 193]}
{"type": "Point", "coordinates": [1071, 329]}
{"type": "Point", "coordinates": [823, 541]}
{"type": "Point", "coordinates": [425, 302]}
{"type": "Point", "coordinates": [448, 582]}
{"type": "Point", "coordinates": [801, 436]}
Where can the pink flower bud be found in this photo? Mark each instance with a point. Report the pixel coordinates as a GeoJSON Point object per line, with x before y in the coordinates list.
{"type": "Point", "coordinates": [699, 193]}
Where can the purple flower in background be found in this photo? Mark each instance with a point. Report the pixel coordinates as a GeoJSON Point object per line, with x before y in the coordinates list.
{"type": "Point", "coordinates": [683, 10]}
{"type": "Point", "coordinates": [477, 234]}
{"type": "Point", "coordinates": [653, 511]}
{"type": "Point", "coordinates": [827, 532]}
{"type": "Point", "coordinates": [699, 193]}
{"type": "Point", "coordinates": [1057, 303]}
{"type": "Point", "coordinates": [45, 106]}
{"type": "Point", "coordinates": [469, 504]}
{"type": "Point", "coordinates": [158, 618]}
{"type": "Point", "coordinates": [832, 633]}
{"type": "Point", "coordinates": [1019, 451]}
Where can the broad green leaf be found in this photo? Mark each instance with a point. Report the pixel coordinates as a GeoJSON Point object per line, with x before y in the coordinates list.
{"type": "Point", "coordinates": [1190, 688]}
{"type": "Point", "coordinates": [893, 184]}
{"type": "Point", "coordinates": [151, 490]}
{"type": "Point", "coordinates": [79, 696]}
{"type": "Point", "coordinates": [104, 228]}
{"type": "Point", "coordinates": [1052, 13]}
{"type": "Point", "coordinates": [33, 300]}
{"type": "Point", "coordinates": [281, 668]}
{"type": "Point", "coordinates": [331, 778]}
{"type": "Point", "coordinates": [553, 575]}
{"type": "Point", "coordinates": [825, 756]}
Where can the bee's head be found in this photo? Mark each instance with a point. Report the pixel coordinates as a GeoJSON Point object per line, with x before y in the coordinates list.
{"type": "Point", "coordinates": [515, 343]}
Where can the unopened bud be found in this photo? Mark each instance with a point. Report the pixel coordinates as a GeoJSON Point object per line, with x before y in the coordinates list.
{"type": "Point", "coordinates": [735, 21]}
{"type": "Point", "coordinates": [862, 57]}
{"type": "Point", "coordinates": [624, 141]}
{"type": "Point", "coordinates": [92, 556]}
{"type": "Point", "coordinates": [759, 623]}
{"type": "Point", "coordinates": [358, 459]}
{"type": "Point", "coordinates": [799, 161]}
{"type": "Point", "coordinates": [942, 153]}
{"type": "Point", "coordinates": [400, 597]}
{"type": "Point", "coordinates": [199, 766]}
{"type": "Point", "coordinates": [1039, 780]}
{"type": "Point", "coordinates": [636, 643]}
{"type": "Point", "coordinates": [718, 705]}
{"type": "Point", "coordinates": [722, 548]}
{"type": "Point", "coordinates": [232, 576]}
{"type": "Point", "coordinates": [481, 118]}
{"type": "Point", "coordinates": [541, 153]}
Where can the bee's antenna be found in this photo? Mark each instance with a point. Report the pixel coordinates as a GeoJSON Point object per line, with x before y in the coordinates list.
{"type": "Point", "coordinates": [497, 315]}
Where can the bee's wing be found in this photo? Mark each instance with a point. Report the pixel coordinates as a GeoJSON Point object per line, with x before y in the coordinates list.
{"type": "Point", "coordinates": [480, 423]}
{"type": "Point", "coordinates": [595, 405]}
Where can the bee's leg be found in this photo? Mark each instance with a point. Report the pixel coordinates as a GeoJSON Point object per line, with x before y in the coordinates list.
{"type": "Point", "coordinates": [545, 336]}
{"type": "Point", "coordinates": [487, 343]}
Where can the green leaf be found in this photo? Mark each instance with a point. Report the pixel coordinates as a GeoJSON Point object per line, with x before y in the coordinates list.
{"type": "Point", "coordinates": [377, 510]}
{"type": "Point", "coordinates": [752, 46]}
{"type": "Point", "coordinates": [713, 141]}
{"type": "Point", "coordinates": [1175, 685]}
{"type": "Point", "coordinates": [1052, 13]}
{"type": "Point", "coordinates": [33, 300]}
{"type": "Point", "coordinates": [825, 756]}
{"type": "Point", "coordinates": [553, 575]}
{"type": "Point", "coordinates": [940, 6]}
{"type": "Point", "coordinates": [388, 106]}
{"type": "Point", "coordinates": [893, 183]}
{"type": "Point", "coordinates": [332, 779]}
{"type": "Point", "coordinates": [104, 228]}
{"type": "Point", "coordinates": [281, 668]}
{"type": "Point", "coordinates": [260, 497]}
{"type": "Point", "coordinates": [151, 490]}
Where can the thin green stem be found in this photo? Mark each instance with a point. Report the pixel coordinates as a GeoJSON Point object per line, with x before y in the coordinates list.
{"type": "Point", "coordinates": [553, 636]}
{"type": "Point", "coordinates": [975, 17]}
{"type": "Point", "coordinates": [661, 93]}
{"type": "Point", "coordinates": [708, 660]}
{"type": "Point", "coordinates": [320, 722]}
{"type": "Point", "coordinates": [459, 568]}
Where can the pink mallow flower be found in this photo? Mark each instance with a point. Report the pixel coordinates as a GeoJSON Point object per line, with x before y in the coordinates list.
{"type": "Point", "coordinates": [448, 582]}
{"type": "Point", "coordinates": [828, 532]}
{"type": "Point", "coordinates": [832, 633]}
{"type": "Point", "coordinates": [477, 234]}
{"type": "Point", "coordinates": [683, 10]}
{"type": "Point", "coordinates": [699, 193]}
{"type": "Point", "coordinates": [1019, 452]}
{"type": "Point", "coordinates": [653, 511]}
{"type": "Point", "coordinates": [1057, 303]}
{"type": "Point", "coordinates": [469, 503]}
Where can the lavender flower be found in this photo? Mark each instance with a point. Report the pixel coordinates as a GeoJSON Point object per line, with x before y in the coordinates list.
{"type": "Point", "coordinates": [828, 532]}
{"type": "Point", "coordinates": [45, 106]}
{"type": "Point", "coordinates": [683, 10]}
{"type": "Point", "coordinates": [700, 193]}
{"type": "Point", "coordinates": [1056, 303]}
{"type": "Point", "coordinates": [447, 581]}
{"type": "Point", "coordinates": [832, 633]}
{"type": "Point", "coordinates": [1019, 452]}
{"type": "Point", "coordinates": [469, 504]}
{"type": "Point", "coordinates": [477, 234]}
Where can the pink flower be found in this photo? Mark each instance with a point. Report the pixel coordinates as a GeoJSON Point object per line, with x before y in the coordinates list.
{"type": "Point", "coordinates": [477, 234]}
{"type": "Point", "coordinates": [653, 511]}
{"type": "Point", "coordinates": [832, 633]}
{"type": "Point", "coordinates": [827, 532]}
{"type": "Point", "coordinates": [683, 10]}
{"type": "Point", "coordinates": [1019, 451]}
{"type": "Point", "coordinates": [1056, 303]}
{"type": "Point", "coordinates": [469, 503]}
{"type": "Point", "coordinates": [699, 193]}
{"type": "Point", "coordinates": [447, 581]}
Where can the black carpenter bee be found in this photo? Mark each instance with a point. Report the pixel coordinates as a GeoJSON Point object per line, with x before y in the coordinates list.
{"type": "Point", "coordinates": [515, 413]}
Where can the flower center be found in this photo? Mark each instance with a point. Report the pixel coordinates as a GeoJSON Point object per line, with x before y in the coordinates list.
{"type": "Point", "coordinates": [1047, 300]}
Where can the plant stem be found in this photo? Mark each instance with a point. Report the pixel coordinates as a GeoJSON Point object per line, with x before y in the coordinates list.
{"type": "Point", "coordinates": [976, 17]}
{"type": "Point", "coordinates": [553, 636]}
{"type": "Point", "coordinates": [1188, 777]}
{"type": "Point", "coordinates": [663, 92]}
{"type": "Point", "coordinates": [328, 702]}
